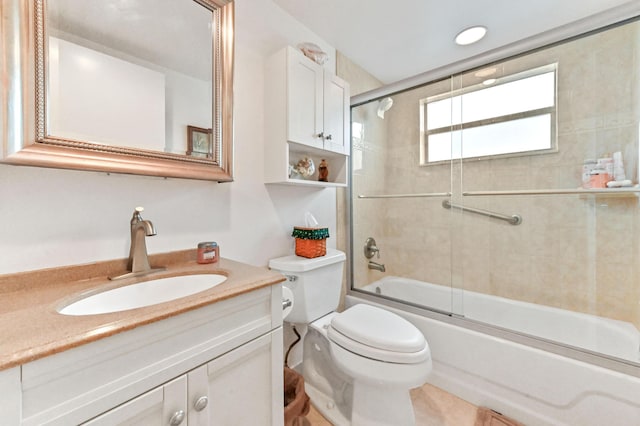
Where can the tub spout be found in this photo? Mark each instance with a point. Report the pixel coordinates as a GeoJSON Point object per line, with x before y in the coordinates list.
{"type": "Point", "coordinates": [377, 266]}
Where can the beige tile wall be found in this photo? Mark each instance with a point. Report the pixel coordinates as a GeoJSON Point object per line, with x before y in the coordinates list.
{"type": "Point", "coordinates": [573, 252]}
{"type": "Point", "coordinates": [369, 179]}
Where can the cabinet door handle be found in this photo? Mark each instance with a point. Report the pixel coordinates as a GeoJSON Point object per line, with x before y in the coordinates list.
{"type": "Point", "coordinates": [177, 418]}
{"type": "Point", "coordinates": [201, 403]}
{"type": "Point", "coordinates": [328, 137]}
{"type": "Point", "coordinates": [320, 135]}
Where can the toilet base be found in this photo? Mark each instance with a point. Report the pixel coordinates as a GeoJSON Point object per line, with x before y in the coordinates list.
{"type": "Point", "coordinates": [345, 401]}
{"type": "Point", "coordinates": [326, 406]}
{"type": "Point", "coordinates": [330, 389]}
{"type": "Point", "coordinates": [371, 407]}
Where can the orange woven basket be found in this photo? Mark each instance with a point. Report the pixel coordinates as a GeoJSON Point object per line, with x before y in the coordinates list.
{"type": "Point", "coordinates": [310, 242]}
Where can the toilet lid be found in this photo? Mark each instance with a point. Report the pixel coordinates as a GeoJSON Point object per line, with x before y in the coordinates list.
{"type": "Point", "coordinates": [378, 334]}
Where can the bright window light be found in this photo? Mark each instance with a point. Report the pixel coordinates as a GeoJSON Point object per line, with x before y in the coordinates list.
{"type": "Point", "coordinates": [516, 114]}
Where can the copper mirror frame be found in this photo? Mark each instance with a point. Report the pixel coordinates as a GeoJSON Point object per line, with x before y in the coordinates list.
{"type": "Point", "coordinates": [24, 138]}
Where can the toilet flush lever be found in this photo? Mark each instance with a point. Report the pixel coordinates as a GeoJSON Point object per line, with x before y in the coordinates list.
{"type": "Point", "coordinates": [291, 278]}
{"type": "Point", "coordinates": [370, 248]}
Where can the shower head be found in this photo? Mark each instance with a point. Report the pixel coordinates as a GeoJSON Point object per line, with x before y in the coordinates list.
{"type": "Point", "coordinates": [384, 105]}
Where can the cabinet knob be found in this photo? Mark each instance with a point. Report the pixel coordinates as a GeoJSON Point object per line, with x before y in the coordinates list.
{"type": "Point", "coordinates": [321, 135]}
{"type": "Point", "coordinates": [177, 418]}
{"type": "Point", "coordinates": [201, 403]}
{"type": "Point", "coordinates": [328, 137]}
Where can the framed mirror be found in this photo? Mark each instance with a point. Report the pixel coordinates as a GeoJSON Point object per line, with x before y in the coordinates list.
{"type": "Point", "coordinates": [120, 86]}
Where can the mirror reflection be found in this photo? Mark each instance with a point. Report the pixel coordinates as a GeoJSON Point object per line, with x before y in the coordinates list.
{"type": "Point", "coordinates": [129, 74]}
{"type": "Point", "coordinates": [564, 160]}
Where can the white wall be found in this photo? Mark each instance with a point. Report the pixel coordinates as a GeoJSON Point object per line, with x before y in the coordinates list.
{"type": "Point", "coordinates": [188, 104]}
{"type": "Point", "coordinates": [183, 100]}
{"type": "Point", "coordinates": [59, 217]}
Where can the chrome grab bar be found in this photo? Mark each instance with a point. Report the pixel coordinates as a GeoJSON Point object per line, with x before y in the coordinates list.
{"type": "Point", "coordinates": [513, 219]}
{"type": "Point", "coordinates": [418, 195]}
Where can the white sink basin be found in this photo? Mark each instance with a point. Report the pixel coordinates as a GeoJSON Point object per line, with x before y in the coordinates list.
{"type": "Point", "coordinates": [142, 294]}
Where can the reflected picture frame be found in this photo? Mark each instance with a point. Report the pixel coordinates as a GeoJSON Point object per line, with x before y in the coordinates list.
{"type": "Point", "coordinates": [199, 142]}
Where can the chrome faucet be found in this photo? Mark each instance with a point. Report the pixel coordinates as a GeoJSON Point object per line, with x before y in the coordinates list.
{"type": "Point", "coordinates": [138, 258]}
{"type": "Point", "coordinates": [140, 228]}
{"type": "Point", "coordinates": [377, 266]}
{"type": "Point", "coordinates": [370, 250]}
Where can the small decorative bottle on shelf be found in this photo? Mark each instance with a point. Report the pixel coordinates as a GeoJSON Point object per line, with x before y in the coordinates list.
{"type": "Point", "coordinates": [323, 171]}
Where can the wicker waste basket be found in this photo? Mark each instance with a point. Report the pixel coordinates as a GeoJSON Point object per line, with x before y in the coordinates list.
{"type": "Point", "coordinates": [296, 401]}
{"type": "Point", "coordinates": [310, 242]}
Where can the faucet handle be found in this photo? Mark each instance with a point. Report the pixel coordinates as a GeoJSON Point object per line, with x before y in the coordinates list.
{"type": "Point", "coordinates": [137, 217]}
{"type": "Point", "coordinates": [370, 248]}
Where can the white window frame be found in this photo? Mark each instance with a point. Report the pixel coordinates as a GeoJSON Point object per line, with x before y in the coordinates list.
{"type": "Point", "coordinates": [553, 140]}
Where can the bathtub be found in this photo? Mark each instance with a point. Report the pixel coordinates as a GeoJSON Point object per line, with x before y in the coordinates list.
{"type": "Point", "coordinates": [606, 336]}
{"type": "Point", "coordinates": [531, 383]}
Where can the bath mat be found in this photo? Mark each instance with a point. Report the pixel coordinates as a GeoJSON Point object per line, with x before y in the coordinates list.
{"type": "Point", "coordinates": [487, 417]}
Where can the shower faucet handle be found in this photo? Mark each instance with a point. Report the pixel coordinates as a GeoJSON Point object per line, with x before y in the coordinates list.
{"type": "Point", "coordinates": [370, 248]}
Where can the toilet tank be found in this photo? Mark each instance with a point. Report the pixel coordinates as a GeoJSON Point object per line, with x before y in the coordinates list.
{"type": "Point", "coordinates": [315, 284]}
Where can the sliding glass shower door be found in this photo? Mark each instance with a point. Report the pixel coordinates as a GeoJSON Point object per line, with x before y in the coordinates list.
{"type": "Point", "coordinates": [508, 195]}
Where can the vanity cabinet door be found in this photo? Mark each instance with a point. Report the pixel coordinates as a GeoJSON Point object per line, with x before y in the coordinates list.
{"type": "Point", "coordinates": [198, 398]}
{"type": "Point", "coordinates": [164, 405]}
{"type": "Point", "coordinates": [10, 396]}
{"type": "Point", "coordinates": [246, 384]}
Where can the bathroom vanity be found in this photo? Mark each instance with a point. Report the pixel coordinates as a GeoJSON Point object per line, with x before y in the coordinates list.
{"type": "Point", "coordinates": [211, 358]}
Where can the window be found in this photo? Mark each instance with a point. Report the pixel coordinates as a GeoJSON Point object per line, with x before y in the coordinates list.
{"type": "Point", "coordinates": [508, 116]}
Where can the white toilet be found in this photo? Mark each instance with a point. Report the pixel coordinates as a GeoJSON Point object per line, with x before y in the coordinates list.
{"type": "Point", "coordinates": [358, 365]}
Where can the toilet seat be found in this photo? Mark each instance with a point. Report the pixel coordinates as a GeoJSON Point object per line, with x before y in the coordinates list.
{"type": "Point", "coordinates": [378, 334]}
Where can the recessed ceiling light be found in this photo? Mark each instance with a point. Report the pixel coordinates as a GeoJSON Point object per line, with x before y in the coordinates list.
{"type": "Point", "coordinates": [470, 35]}
{"type": "Point", "coordinates": [489, 81]}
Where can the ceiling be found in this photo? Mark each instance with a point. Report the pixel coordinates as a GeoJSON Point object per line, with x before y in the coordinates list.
{"type": "Point", "coordinates": [400, 39]}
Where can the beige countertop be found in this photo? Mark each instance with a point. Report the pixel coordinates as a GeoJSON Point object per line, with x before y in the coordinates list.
{"type": "Point", "coordinates": [31, 328]}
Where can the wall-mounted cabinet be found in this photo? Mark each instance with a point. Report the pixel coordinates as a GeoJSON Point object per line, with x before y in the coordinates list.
{"type": "Point", "coordinates": [306, 116]}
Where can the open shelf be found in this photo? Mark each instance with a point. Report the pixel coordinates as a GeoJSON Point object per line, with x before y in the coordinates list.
{"type": "Point", "coordinates": [337, 165]}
